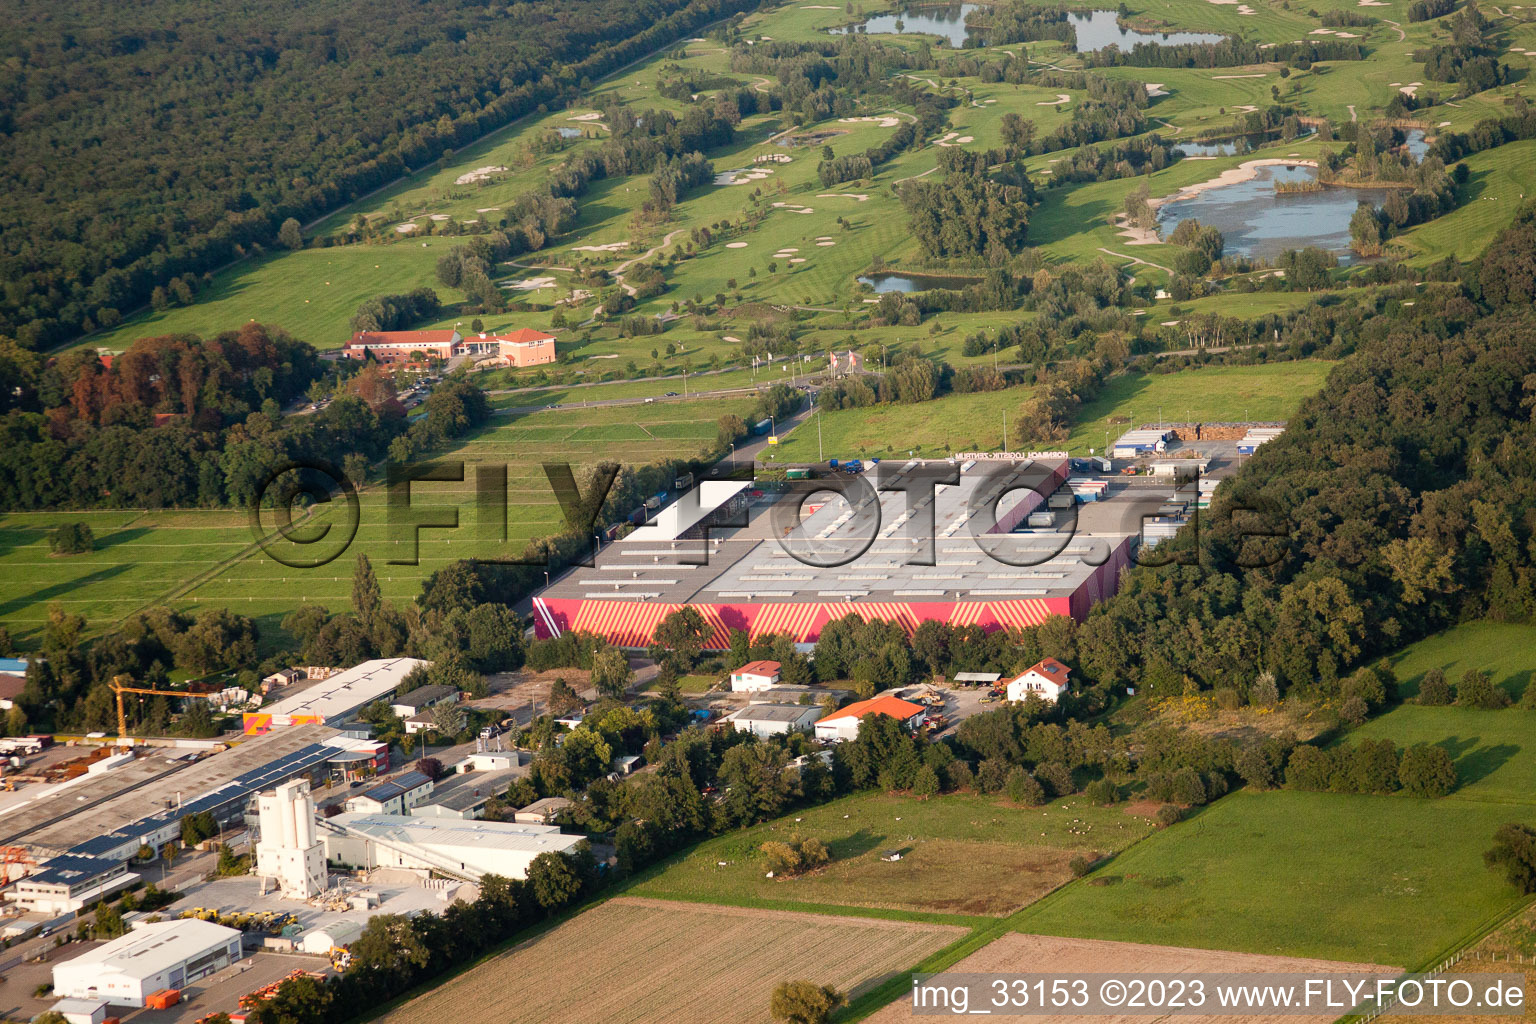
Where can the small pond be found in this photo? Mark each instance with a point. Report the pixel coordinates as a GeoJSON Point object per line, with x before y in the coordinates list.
{"type": "Point", "coordinates": [569, 133]}
{"type": "Point", "coordinates": [947, 21]}
{"type": "Point", "coordinates": [894, 282]}
{"type": "Point", "coordinates": [1098, 29]}
{"type": "Point", "coordinates": [1256, 221]}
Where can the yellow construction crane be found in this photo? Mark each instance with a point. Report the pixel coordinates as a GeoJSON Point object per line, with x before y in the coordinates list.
{"type": "Point", "coordinates": [119, 688]}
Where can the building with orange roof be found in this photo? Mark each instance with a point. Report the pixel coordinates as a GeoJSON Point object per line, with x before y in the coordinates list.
{"type": "Point", "coordinates": [1046, 679]}
{"type": "Point", "coordinates": [843, 724]}
{"type": "Point", "coordinates": [402, 346]}
{"type": "Point", "coordinates": [522, 347]}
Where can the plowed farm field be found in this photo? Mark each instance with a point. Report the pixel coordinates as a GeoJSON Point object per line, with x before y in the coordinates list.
{"type": "Point", "coordinates": [633, 960]}
{"type": "Point", "coordinates": [1016, 953]}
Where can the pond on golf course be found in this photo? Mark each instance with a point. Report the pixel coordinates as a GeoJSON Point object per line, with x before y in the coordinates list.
{"type": "Point", "coordinates": [888, 281]}
{"type": "Point", "coordinates": [1257, 221]}
{"type": "Point", "coordinates": [1095, 29]}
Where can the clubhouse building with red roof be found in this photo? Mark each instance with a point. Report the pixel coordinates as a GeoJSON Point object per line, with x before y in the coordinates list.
{"type": "Point", "coordinates": [522, 347]}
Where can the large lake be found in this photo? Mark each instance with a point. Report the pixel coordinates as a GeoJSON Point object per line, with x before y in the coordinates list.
{"type": "Point", "coordinates": [1256, 221]}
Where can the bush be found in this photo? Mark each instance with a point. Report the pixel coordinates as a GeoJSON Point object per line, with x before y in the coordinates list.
{"type": "Point", "coordinates": [804, 1002]}
{"type": "Point", "coordinates": [1354, 711]}
{"type": "Point", "coordinates": [926, 783]}
{"type": "Point", "coordinates": [1056, 778]}
{"type": "Point", "coordinates": [1024, 788]}
{"type": "Point", "coordinates": [1514, 850]}
{"type": "Point", "coordinates": [1434, 691]}
{"type": "Point", "coordinates": [1080, 866]}
{"type": "Point", "coordinates": [1168, 815]}
{"type": "Point", "coordinates": [72, 539]}
{"type": "Point", "coordinates": [1102, 793]}
{"type": "Point", "coordinates": [1476, 690]}
{"type": "Point", "coordinates": [1427, 771]}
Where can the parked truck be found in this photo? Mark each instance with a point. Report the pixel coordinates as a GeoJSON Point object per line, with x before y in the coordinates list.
{"type": "Point", "coordinates": [762, 426]}
{"type": "Point", "coordinates": [683, 482]}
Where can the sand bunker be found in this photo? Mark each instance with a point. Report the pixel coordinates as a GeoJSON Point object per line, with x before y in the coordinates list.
{"type": "Point", "coordinates": [405, 229]}
{"type": "Point", "coordinates": [530, 284]}
{"type": "Point", "coordinates": [842, 195]}
{"type": "Point", "coordinates": [883, 122]}
{"type": "Point", "coordinates": [825, 244]}
{"type": "Point", "coordinates": [488, 209]}
{"type": "Point", "coordinates": [478, 174]}
{"type": "Point", "coordinates": [798, 259]}
{"type": "Point", "coordinates": [1061, 98]}
{"type": "Point", "coordinates": [441, 216]}
{"type": "Point", "coordinates": [1410, 88]}
{"type": "Point", "coordinates": [1243, 172]}
{"type": "Point", "coordinates": [735, 245]}
{"type": "Point", "coordinates": [593, 116]}
{"type": "Point", "coordinates": [1156, 89]}
{"type": "Point", "coordinates": [609, 247]}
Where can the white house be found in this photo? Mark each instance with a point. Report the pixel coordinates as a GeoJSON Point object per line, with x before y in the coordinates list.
{"type": "Point", "coordinates": [844, 724]}
{"type": "Point", "coordinates": [423, 699]}
{"type": "Point", "coordinates": [155, 955]}
{"type": "Point", "coordinates": [755, 675]}
{"type": "Point", "coordinates": [396, 796]}
{"type": "Point", "coordinates": [1047, 679]}
{"type": "Point", "coordinates": [765, 720]}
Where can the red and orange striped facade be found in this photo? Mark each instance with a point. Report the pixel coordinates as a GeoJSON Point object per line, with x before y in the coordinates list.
{"type": "Point", "coordinates": [632, 623]}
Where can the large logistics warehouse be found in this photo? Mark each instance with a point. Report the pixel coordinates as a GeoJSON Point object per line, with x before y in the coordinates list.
{"type": "Point", "coordinates": [988, 568]}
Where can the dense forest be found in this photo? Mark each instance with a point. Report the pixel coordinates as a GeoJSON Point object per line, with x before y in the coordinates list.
{"type": "Point", "coordinates": [143, 145]}
{"type": "Point", "coordinates": [184, 421]}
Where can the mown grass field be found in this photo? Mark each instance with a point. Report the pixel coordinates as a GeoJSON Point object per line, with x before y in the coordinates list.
{"type": "Point", "coordinates": [1506, 651]}
{"type": "Point", "coordinates": [208, 558]}
{"type": "Point", "coordinates": [1389, 879]}
{"type": "Point", "coordinates": [630, 435]}
{"type": "Point", "coordinates": [630, 960]}
{"type": "Point", "coordinates": [1211, 394]}
{"type": "Point", "coordinates": [962, 854]}
{"type": "Point", "coordinates": [139, 557]}
{"type": "Point", "coordinates": [933, 429]}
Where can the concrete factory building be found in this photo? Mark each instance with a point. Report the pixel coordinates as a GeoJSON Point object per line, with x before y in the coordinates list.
{"type": "Point", "coordinates": [335, 699]}
{"type": "Point", "coordinates": [64, 885]}
{"type": "Point", "coordinates": [459, 848]}
{"type": "Point", "coordinates": [1009, 545]}
{"type": "Point", "coordinates": [289, 853]}
{"type": "Point", "coordinates": [162, 954]}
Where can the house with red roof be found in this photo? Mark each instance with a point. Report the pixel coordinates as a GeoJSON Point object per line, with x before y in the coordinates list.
{"type": "Point", "coordinates": [755, 676]}
{"type": "Point", "coordinates": [843, 724]}
{"type": "Point", "coordinates": [402, 346]}
{"type": "Point", "coordinates": [1046, 679]}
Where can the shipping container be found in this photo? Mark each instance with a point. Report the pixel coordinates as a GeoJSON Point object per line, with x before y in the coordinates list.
{"type": "Point", "coordinates": [762, 426]}
{"type": "Point", "coordinates": [798, 474]}
{"type": "Point", "coordinates": [683, 482]}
